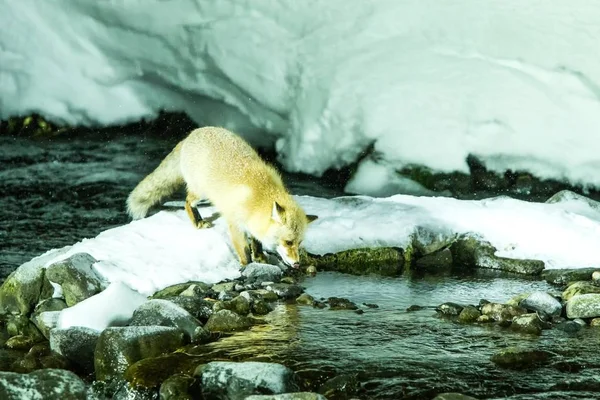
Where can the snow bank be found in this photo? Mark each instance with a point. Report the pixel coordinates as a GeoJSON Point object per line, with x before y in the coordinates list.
{"type": "Point", "coordinates": [153, 253]}
{"type": "Point", "coordinates": [428, 81]}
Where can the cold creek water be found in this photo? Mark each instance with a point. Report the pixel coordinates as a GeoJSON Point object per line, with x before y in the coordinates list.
{"type": "Point", "coordinates": [56, 192]}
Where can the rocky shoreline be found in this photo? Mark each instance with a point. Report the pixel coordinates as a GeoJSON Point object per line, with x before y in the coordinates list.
{"type": "Point", "coordinates": [158, 351]}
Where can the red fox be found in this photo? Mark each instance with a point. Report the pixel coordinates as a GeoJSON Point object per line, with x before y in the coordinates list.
{"type": "Point", "coordinates": [218, 165]}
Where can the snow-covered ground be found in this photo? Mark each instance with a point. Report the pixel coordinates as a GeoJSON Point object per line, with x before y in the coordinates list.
{"type": "Point", "coordinates": [150, 254]}
{"type": "Point", "coordinates": [427, 81]}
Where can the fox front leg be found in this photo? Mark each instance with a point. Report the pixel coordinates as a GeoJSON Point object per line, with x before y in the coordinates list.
{"type": "Point", "coordinates": [240, 243]}
{"type": "Point", "coordinates": [193, 213]}
{"type": "Point", "coordinates": [257, 251]}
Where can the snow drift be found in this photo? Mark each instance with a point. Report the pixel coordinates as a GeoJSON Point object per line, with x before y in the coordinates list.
{"type": "Point", "coordinates": [427, 82]}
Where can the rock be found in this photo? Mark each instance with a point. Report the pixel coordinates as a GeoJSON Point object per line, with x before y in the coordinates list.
{"type": "Point", "coordinates": [385, 261]}
{"type": "Point", "coordinates": [584, 306]}
{"type": "Point", "coordinates": [266, 295]}
{"type": "Point", "coordinates": [198, 290]}
{"type": "Point", "coordinates": [341, 386]}
{"type": "Point", "coordinates": [305, 299]}
{"type": "Point", "coordinates": [311, 270]}
{"type": "Point", "coordinates": [45, 315]}
{"type": "Point", "coordinates": [596, 276]}
{"type": "Point", "coordinates": [199, 308]}
{"type": "Point", "coordinates": [177, 289]}
{"type": "Point", "coordinates": [76, 277]}
{"type": "Point", "coordinates": [502, 312]}
{"type": "Point", "coordinates": [469, 314]}
{"type": "Point", "coordinates": [516, 300]}
{"type": "Point", "coordinates": [21, 325]}
{"type": "Point", "coordinates": [288, 396]}
{"type": "Point", "coordinates": [474, 252]}
{"type": "Point", "coordinates": [47, 384]}
{"type": "Point", "coordinates": [438, 261]}
{"type": "Point", "coordinates": [580, 287]}
{"type": "Point", "coordinates": [178, 387]}
{"type": "Point", "coordinates": [224, 287]}
{"type": "Point", "coordinates": [128, 392]}
{"type": "Point", "coordinates": [570, 327]}
{"type": "Point", "coordinates": [236, 381]}
{"type": "Point", "coordinates": [239, 305]}
{"type": "Point", "coordinates": [227, 321]}
{"type": "Point", "coordinates": [594, 323]}
{"type": "Point", "coordinates": [153, 371]}
{"type": "Point", "coordinates": [165, 313]}
{"type": "Point", "coordinates": [449, 309]}
{"type": "Point", "coordinates": [453, 396]}
{"type": "Point", "coordinates": [414, 307]}
{"type": "Point", "coordinates": [261, 307]}
{"type": "Point", "coordinates": [542, 302]}
{"type": "Point", "coordinates": [566, 276]}
{"type": "Point", "coordinates": [8, 358]}
{"type": "Point", "coordinates": [119, 347]}
{"type": "Point", "coordinates": [338, 303]}
{"type": "Point", "coordinates": [285, 290]}
{"type": "Point", "coordinates": [20, 342]}
{"type": "Point", "coordinates": [528, 323]}
{"type": "Point", "coordinates": [77, 344]}
{"type": "Point", "coordinates": [261, 273]}
{"type": "Point", "coordinates": [21, 290]}
{"type": "Point", "coordinates": [515, 358]}
{"type": "Point", "coordinates": [289, 279]}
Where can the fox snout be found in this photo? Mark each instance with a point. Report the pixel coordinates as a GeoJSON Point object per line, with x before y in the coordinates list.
{"type": "Point", "coordinates": [289, 253]}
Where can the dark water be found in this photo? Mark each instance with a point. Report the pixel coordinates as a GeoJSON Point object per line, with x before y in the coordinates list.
{"type": "Point", "coordinates": [56, 192]}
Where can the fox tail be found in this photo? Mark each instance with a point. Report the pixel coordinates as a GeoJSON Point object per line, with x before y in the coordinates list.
{"type": "Point", "coordinates": [160, 183]}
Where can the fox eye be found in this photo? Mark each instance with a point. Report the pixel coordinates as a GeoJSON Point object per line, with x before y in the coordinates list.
{"type": "Point", "coordinates": [289, 242]}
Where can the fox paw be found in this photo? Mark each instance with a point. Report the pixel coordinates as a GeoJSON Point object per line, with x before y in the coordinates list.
{"type": "Point", "coordinates": [203, 224]}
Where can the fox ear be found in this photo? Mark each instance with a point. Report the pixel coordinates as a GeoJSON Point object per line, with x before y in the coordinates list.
{"type": "Point", "coordinates": [311, 218]}
{"type": "Point", "coordinates": [277, 213]}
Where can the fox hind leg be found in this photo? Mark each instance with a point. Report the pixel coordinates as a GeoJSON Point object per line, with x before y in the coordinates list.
{"type": "Point", "coordinates": [193, 213]}
{"type": "Point", "coordinates": [257, 251]}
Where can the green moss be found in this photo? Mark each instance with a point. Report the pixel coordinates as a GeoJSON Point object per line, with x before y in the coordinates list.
{"type": "Point", "coordinates": [385, 261]}
{"type": "Point", "coordinates": [151, 372]}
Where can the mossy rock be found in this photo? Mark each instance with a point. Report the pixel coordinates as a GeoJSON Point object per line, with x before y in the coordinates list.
{"type": "Point", "coordinates": [579, 288]}
{"type": "Point", "coordinates": [76, 277]}
{"type": "Point", "coordinates": [515, 358]}
{"type": "Point", "coordinates": [177, 289]}
{"type": "Point", "coordinates": [179, 387]}
{"type": "Point", "coordinates": [568, 276]}
{"type": "Point", "coordinates": [227, 321]}
{"type": "Point", "coordinates": [151, 372]}
{"type": "Point", "coordinates": [385, 261]}
{"type": "Point", "coordinates": [47, 384]}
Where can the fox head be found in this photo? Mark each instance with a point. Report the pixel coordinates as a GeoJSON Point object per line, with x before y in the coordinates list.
{"type": "Point", "coordinates": [286, 231]}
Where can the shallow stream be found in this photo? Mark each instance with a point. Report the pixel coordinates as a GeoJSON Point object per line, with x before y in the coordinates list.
{"type": "Point", "coordinates": [56, 192]}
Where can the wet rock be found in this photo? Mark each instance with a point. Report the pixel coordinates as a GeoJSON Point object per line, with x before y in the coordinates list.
{"type": "Point", "coordinates": [239, 305]}
{"type": "Point", "coordinates": [339, 303]}
{"type": "Point", "coordinates": [528, 323]}
{"type": "Point", "coordinates": [502, 312]}
{"type": "Point", "coordinates": [596, 276]}
{"type": "Point", "coordinates": [311, 270]}
{"type": "Point", "coordinates": [469, 314]}
{"type": "Point", "coordinates": [594, 323]}
{"type": "Point", "coordinates": [266, 295]}
{"type": "Point", "coordinates": [261, 273]}
{"type": "Point", "coordinates": [542, 302]}
{"type": "Point", "coordinates": [385, 261]}
{"type": "Point", "coordinates": [261, 307]}
{"type": "Point", "coordinates": [227, 321]}
{"type": "Point", "coordinates": [341, 386]}
{"type": "Point", "coordinates": [47, 384]}
{"type": "Point", "coordinates": [472, 251]}
{"type": "Point", "coordinates": [370, 305]}
{"type": "Point", "coordinates": [449, 309]}
{"type": "Point", "coordinates": [224, 287]}
{"type": "Point", "coordinates": [516, 300]}
{"type": "Point", "coordinates": [178, 387]}
{"type": "Point", "coordinates": [77, 344]}
{"type": "Point", "coordinates": [21, 291]}
{"type": "Point", "coordinates": [570, 327]}
{"type": "Point", "coordinates": [453, 396]}
{"type": "Point", "coordinates": [285, 290]}
{"type": "Point", "coordinates": [165, 313]}
{"type": "Point", "coordinates": [305, 299]}
{"type": "Point", "coordinates": [8, 358]}
{"type": "Point", "coordinates": [414, 307]}
{"type": "Point", "coordinates": [177, 289]}
{"type": "Point", "coordinates": [45, 315]}
{"type": "Point", "coordinates": [199, 308]}
{"type": "Point", "coordinates": [76, 277]}
{"type": "Point", "coordinates": [20, 342]}
{"type": "Point", "coordinates": [440, 260]}
{"type": "Point", "coordinates": [289, 279]}
{"type": "Point", "coordinates": [288, 396]}
{"type": "Point", "coordinates": [236, 381]}
{"type": "Point", "coordinates": [127, 392]}
{"type": "Point", "coordinates": [515, 358]}
{"type": "Point", "coordinates": [584, 306]}
{"type": "Point", "coordinates": [198, 290]}
{"type": "Point", "coordinates": [567, 276]}
{"type": "Point", "coordinates": [20, 325]}
{"type": "Point", "coordinates": [580, 287]}
{"type": "Point", "coordinates": [119, 347]}
{"type": "Point", "coordinates": [153, 371]}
